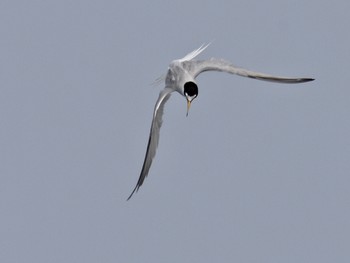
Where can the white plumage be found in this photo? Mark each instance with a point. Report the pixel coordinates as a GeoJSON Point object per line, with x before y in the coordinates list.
{"type": "Point", "coordinates": [181, 78]}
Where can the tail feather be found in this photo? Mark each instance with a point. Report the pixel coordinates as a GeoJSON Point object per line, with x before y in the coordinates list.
{"type": "Point", "coordinates": [194, 53]}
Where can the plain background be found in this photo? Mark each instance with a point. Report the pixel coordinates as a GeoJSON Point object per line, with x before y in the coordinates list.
{"type": "Point", "coordinates": [258, 171]}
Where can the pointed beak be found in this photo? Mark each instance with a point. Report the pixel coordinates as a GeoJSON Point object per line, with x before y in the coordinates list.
{"type": "Point", "coordinates": [188, 106]}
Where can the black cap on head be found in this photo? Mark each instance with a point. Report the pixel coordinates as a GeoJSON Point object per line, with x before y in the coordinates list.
{"type": "Point", "coordinates": [191, 89]}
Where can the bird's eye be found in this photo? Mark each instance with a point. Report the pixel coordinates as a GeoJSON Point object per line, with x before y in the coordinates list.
{"type": "Point", "coordinates": [191, 89]}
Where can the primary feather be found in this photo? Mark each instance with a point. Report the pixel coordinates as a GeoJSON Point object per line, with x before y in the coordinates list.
{"type": "Point", "coordinates": [181, 72]}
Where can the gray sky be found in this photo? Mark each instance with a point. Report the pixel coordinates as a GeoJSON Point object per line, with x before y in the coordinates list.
{"type": "Point", "coordinates": [258, 171]}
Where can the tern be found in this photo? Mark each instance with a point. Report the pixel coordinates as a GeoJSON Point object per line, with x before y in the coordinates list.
{"type": "Point", "coordinates": [181, 77]}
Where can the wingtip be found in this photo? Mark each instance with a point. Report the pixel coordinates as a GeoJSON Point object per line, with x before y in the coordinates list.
{"type": "Point", "coordinates": [306, 80]}
{"type": "Point", "coordinates": [133, 191]}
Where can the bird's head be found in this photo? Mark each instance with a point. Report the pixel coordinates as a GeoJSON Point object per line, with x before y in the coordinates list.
{"type": "Point", "coordinates": [190, 92]}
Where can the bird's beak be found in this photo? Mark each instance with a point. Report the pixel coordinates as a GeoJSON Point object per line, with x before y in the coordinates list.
{"type": "Point", "coordinates": [188, 106]}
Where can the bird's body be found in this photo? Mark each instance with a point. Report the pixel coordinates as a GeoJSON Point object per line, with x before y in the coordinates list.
{"type": "Point", "coordinates": [181, 77]}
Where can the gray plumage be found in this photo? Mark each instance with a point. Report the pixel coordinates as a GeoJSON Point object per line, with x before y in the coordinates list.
{"type": "Point", "coordinates": [184, 71]}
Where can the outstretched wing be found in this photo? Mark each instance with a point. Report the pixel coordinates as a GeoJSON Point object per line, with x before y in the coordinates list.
{"type": "Point", "coordinates": [196, 67]}
{"type": "Point", "coordinates": [153, 140]}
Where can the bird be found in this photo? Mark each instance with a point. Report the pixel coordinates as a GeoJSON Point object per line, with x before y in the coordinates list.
{"type": "Point", "coordinates": [181, 77]}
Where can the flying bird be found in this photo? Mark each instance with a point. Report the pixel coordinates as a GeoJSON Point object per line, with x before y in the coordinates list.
{"type": "Point", "coordinates": [181, 77]}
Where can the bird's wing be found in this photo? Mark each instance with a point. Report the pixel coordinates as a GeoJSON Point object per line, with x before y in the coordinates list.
{"type": "Point", "coordinates": [153, 140]}
{"type": "Point", "coordinates": [196, 67]}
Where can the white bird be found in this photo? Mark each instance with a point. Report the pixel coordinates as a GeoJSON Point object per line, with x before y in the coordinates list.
{"type": "Point", "coordinates": [181, 77]}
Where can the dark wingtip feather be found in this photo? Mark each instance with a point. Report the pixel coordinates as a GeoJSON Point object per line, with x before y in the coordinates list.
{"type": "Point", "coordinates": [301, 80]}
{"type": "Point", "coordinates": [133, 191]}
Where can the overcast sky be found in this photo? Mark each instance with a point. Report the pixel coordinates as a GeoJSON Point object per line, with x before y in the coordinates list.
{"type": "Point", "coordinates": [258, 171]}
